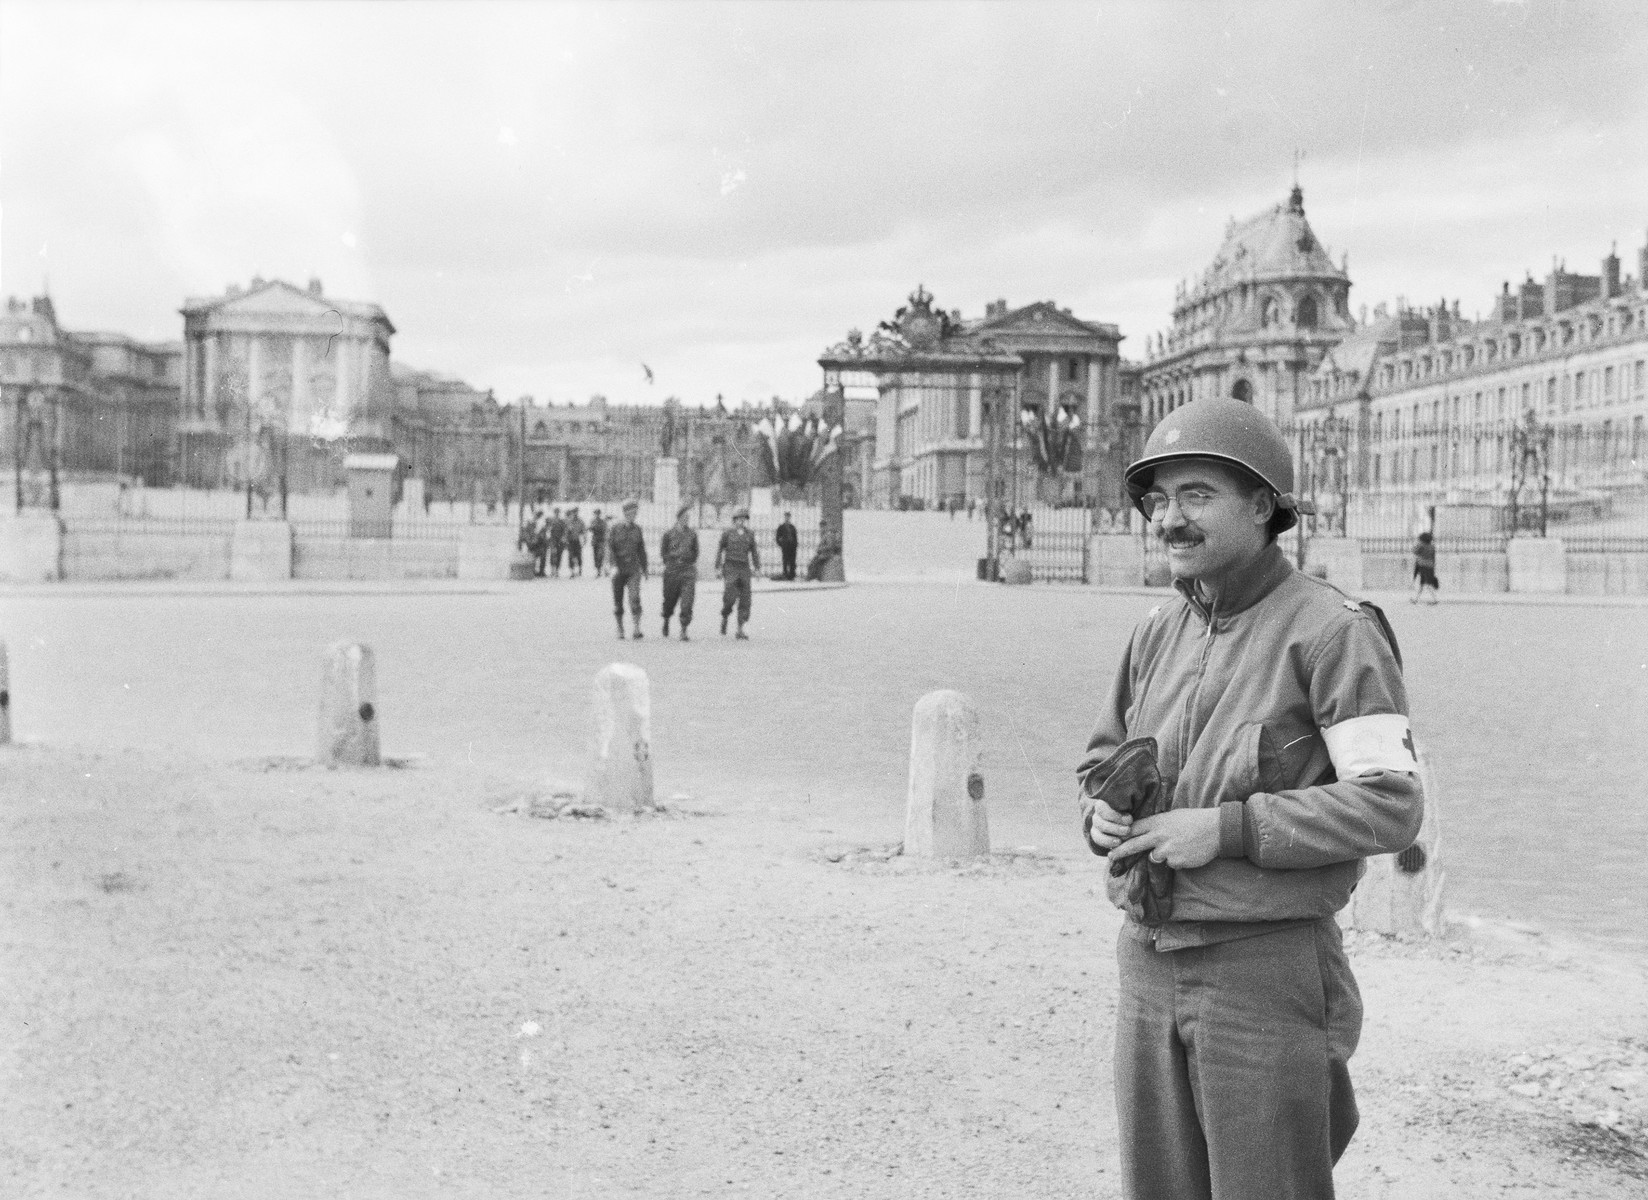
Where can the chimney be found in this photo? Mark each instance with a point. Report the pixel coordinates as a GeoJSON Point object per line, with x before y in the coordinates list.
{"type": "Point", "coordinates": [314, 286]}
{"type": "Point", "coordinates": [1610, 273]}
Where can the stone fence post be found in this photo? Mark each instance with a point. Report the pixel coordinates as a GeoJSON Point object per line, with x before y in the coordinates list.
{"type": "Point", "coordinates": [944, 815]}
{"type": "Point", "coordinates": [348, 707]}
{"type": "Point", "coordinates": [620, 768]}
{"type": "Point", "coordinates": [1403, 893]}
{"type": "Point", "coordinates": [5, 696]}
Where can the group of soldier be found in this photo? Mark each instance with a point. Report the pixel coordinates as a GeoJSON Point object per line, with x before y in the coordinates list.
{"type": "Point", "coordinates": [548, 535]}
{"type": "Point", "coordinates": [619, 548]}
{"type": "Point", "coordinates": [736, 561]}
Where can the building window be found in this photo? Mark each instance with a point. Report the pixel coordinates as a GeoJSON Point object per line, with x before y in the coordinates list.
{"type": "Point", "coordinates": [1306, 318]}
{"type": "Point", "coordinates": [1608, 385]}
{"type": "Point", "coordinates": [1243, 391]}
{"type": "Point", "coordinates": [1268, 315]}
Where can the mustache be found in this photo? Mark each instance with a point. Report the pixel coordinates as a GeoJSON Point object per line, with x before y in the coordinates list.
{"type": "Point", "coordinates": [1184, 537]}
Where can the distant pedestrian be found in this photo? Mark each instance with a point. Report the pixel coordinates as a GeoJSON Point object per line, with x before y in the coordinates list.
{"type": "Point", "coordinates": [557, 541]}
{"type": "Point", "coordinates": [537, 535]}
{"type": "Point", "coordinates": [787, 540]}
{"type": "Point", "coordinates": [574, 542]}
{"type": "Point", "coordinates": [972, 504]}
{"type": "Point", "coordinates": [736, 558]}
{"type": "Point", "coordinates": [828, 548]}
{"type": "Point", "coordinates": [629, 566]}
{"type": "Point", "coordinates": [1424, 569]}
{"type": "Point", "coordinates": [598, 541]}
{"type": "Point", "coordinates": [679, 550]}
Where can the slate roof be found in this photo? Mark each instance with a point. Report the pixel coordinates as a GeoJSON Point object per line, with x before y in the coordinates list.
{"type": "Point", "coordinates": [1275, 244]}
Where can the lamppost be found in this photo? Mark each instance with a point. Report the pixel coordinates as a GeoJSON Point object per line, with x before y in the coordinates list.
{"type": "Point", "coordinates": [1531, 451]}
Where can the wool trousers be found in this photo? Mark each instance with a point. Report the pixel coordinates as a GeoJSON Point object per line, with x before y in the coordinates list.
{"type": "Point", "coordinates": [1232, 1080]}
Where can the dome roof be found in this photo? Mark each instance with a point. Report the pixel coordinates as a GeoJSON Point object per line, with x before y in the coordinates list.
{"type": "Point", "coordinates": [1276, 244]}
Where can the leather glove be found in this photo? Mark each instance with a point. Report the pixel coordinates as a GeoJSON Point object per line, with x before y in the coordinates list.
{"type": "Point", "coordinates": [1129, 781]}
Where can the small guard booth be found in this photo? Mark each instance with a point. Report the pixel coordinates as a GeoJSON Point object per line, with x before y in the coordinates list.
{"type": "Point", "coordinates": [371, 494]}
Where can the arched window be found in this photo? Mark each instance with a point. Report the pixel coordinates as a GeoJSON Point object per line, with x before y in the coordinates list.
{"type": "Point", "coordinates": [1243, 391]}
{"type": "Point", "coordinates": [1268, 312]}
{"type": "Point", "coordinates": [1305, 316]}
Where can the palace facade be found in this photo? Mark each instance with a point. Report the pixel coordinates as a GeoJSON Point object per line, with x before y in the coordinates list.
{"type": "Point", "coordinates": [930, 438]}
{"type": "Point", "coordinates": [80, 405]}
{"type": "Point", "coordinates": [1551, 391]}
{"type": "Point", "coordinates": [276, 370]}
{"type": "Point", "coordinates": [1257, 322]}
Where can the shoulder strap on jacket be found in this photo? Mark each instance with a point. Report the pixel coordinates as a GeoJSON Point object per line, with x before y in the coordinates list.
{"type": "Point", "coordinates": [1378, 614]}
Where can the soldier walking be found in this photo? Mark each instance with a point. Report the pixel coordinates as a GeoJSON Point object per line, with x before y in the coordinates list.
{"type": "Point", "coordinates": [574, 542]}
{"type": "Point", "coordinates": [598, 541]}
{"type": "Point", "coordinates": [557, 541]}
{"type": "Point", "coordinates": [787, 540]}
{"type": "Point", "coordinates": [679, 550]}
{"type": "Point", "coordinates": [629, 566]}
{"type": "Point", "coordinates": [735, 558]}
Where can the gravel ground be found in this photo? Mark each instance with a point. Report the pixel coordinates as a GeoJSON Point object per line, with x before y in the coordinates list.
{"type": "Point", "coordinates": [258, 979]}
{"type": "Point", "coordinates": [1527, 710]}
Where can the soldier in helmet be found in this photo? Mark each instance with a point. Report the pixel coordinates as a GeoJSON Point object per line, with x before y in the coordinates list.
{"type": "Point", "coordinates": [629, 566]}
{"type": "Point", "coordinates": [679, 550]}
{"type": "Point", "coordinates": [1253, 750]}
{"type": "Point", "coordinates": [736, 558]}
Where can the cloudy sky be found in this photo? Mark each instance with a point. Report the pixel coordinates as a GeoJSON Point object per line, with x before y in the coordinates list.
{"type": "Point", "coordinates": [544, 196]}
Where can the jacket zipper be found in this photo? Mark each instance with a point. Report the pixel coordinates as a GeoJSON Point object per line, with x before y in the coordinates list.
{"type": "Point", "coordinates": [1196, 688]}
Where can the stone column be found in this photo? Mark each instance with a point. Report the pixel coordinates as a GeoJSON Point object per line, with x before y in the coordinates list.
{"type": "Point", "coordinates": [666, 485]}
{"type": "Point", "coordinates": [620, 768]}
{"type": "Point", "coordinates": [348, 707]}
{"type": "Point", "coordinates": [254, 377]}
{"type": "Point", "coordinates": [944, 814]}
{"type": "Point", "coordinates": [297, 415]}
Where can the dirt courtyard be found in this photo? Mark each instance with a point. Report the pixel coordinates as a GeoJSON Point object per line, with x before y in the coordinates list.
{"type": "Point", "coordinates": [232, 974]}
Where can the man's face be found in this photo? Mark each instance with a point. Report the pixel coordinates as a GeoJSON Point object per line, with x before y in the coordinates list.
{"type": "Point", "coordinates": [740, 522]}
{"type": "Point", "coordinates": [680, 520]}
{"type": "Point", "coordinates": [629, 513]}
{"type": "Point", "coordinates": [1214, 523]}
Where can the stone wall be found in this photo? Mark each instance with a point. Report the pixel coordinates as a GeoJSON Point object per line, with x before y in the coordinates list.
{"type": "Point", "coordinates": [94, 551]}
{"type": "Point", "coordinates": [374, 558]}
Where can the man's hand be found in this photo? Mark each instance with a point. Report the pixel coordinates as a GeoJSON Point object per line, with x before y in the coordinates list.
{"type": "Point", "coordinates": [1181, 838]}
{"type": "Point", "coordinates": [1108, 828]}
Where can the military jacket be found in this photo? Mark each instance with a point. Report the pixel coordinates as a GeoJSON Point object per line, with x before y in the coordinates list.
{"type": "Point", "coordinates": [737, 554]}
{"type": "Point", "coordinates": [627, 547]}
{"type": "Point", "coordinates": [1283, 708]}
{"type": "Point", "coordinates": [679, 549]}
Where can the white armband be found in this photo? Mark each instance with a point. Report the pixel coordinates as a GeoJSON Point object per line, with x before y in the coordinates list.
{"type": "Point", "coordinates": [1364, 744]}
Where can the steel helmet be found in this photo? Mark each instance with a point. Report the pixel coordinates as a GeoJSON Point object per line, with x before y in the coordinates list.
{"type": "Point", "coordinates": [1226, 430]}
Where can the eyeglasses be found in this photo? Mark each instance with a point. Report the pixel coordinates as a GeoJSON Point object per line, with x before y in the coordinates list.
{"type": "Point", "coordinates": [1192, 502]}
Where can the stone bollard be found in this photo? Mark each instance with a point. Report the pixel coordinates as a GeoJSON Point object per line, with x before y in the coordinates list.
{"type": "Point", "coordinates": [1402, 893]}
{"type": "Point", "coordinates": [348, 707]}
{"type": "Point", "coordinates": [5, 696]}
{"type": "Point", "coordinates": [944, 811]}
{"type": "Point", "coordinates": [620, 768]}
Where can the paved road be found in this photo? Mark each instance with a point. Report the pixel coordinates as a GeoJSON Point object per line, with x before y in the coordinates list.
{"type": "Point", "coordinates": [1533, 714]}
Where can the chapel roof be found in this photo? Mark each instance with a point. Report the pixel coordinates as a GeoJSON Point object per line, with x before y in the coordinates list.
{"type": "Point", "coordinates": [1277, 243]}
